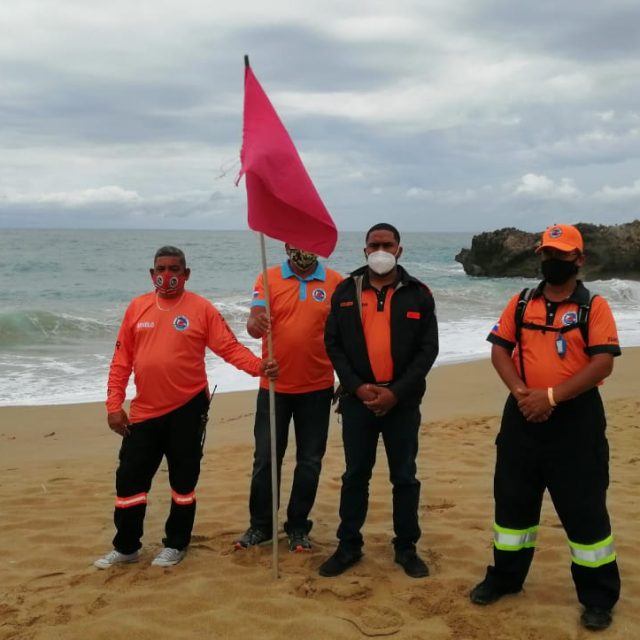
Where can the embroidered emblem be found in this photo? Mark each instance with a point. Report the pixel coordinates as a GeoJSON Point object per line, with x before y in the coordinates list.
{"type": "Point", "coordinates": [571, 317]}
{"type": "Point", "coordinates": [180, 323]}
{"type": "Point", "coordinates": [556, 232]}
{"type": "Point", "coordinates": [319, 295]}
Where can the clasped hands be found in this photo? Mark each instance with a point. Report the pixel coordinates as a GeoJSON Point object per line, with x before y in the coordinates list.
{"type": "Point", "coordinates": [533, 404]}
{"type": "Point", "coordinates": [379, 400]}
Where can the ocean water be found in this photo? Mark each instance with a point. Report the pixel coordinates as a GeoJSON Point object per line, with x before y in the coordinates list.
{"type": "Point", "coordinates": [64, 292]}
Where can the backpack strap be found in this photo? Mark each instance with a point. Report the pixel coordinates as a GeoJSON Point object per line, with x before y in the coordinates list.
{"type": "Point", "coordinates": [523, 300]}
{"type": "Point", "coordinates": [582, 323]}
{"type": "Point", "coordinates": [583, 319]}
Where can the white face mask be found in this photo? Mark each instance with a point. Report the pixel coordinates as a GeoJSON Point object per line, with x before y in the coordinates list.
{"type": "Point", "coordinates": [381, 262]}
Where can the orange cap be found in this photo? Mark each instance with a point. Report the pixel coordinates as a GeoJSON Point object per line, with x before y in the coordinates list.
{"type": "Point", "coordinates": [563, 237]}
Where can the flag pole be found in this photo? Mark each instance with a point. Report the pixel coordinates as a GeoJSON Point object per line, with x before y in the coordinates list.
{"type": "Point", "coordinates": [282, 203]}
{"type": "Point", "coordinates": [272, 410]}
{"type": "Point", "coordinates": [272, 407]}
{"type": "Point", "coordinates": [272, 418]}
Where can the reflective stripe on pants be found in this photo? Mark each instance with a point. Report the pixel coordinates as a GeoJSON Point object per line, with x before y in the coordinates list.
{"type": "Point", "coordinates": [593, 555]}
{"type": "Point", "coordinates": [514, 539]}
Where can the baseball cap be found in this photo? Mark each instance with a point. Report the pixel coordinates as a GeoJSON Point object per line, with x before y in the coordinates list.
{"type": "Point", "coordinates": [563, 237]}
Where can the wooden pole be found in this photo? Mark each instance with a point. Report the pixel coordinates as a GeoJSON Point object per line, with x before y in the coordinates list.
{"type": "Point", "coordinates": [272, 420]}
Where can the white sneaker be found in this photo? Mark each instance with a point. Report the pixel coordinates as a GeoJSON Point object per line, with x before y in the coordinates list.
{"type": "Point", "coordinates": [115, 557]}
{"type": "Point", "coordinates": [168, 557]}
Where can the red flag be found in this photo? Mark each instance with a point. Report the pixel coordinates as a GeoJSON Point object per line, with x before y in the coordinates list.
{"type": "Point", "coordinates": [282, 201]}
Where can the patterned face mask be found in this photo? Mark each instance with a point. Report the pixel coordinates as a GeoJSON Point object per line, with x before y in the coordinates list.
{"type": "Point", "coordinates": [302, 259]}
{"type": "Point", "coordinates": [169, 283]}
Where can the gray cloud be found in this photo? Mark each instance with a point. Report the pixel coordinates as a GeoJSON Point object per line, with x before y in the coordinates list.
{"type": "Point", "coordinates": [581, 31]}
{"type": "Point", "coordinates": [461, 117]}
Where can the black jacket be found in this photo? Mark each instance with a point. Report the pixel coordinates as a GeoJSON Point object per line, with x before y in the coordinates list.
{"type": "Point", "coordinates": [414, 337]}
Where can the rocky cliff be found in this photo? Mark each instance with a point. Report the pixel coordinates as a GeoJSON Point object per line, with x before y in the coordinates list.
{"type": "Point", "coordinates": [611, 252]}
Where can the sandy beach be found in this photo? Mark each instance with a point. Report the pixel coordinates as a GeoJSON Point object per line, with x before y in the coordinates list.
{"type": "Point", "coordinates": [56, 495]}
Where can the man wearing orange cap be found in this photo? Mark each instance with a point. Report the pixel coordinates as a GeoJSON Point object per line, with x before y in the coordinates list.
{"type": "Point", "coordinates": [553, 347]}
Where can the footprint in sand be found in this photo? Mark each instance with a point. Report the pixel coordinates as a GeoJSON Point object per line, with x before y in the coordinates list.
{"type": "Point", "coordinates": [357, 589]}
{"type": "Point", "coordinates": [61, 615]}
{"type": "Point", "coordinates": [99, 603]}
{"type": "Point", "coordinates": [46, 581]}
{"type": "Point", "coordinates": [376, 621]}
{"type": "Point", "coordinates": [441, 506]}
{"type": "Point", "coordinates": [201, 540]}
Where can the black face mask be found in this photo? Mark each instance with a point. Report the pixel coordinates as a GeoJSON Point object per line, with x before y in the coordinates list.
{"type": "Point", "coordinates": [557, 271]}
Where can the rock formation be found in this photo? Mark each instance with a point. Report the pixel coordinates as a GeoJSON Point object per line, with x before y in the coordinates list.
{"type": "Point", "coordinates": [611, 252]}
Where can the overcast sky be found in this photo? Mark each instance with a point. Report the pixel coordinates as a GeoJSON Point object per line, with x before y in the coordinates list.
{"type": "Point", "coordinates": [467, 115]}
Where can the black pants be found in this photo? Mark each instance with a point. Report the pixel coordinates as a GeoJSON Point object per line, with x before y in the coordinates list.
{"type": "Point", "coordinates": [178, 435]}
{"type": "Point", "coordinates": [569, 456]}
{"type": "Point", "coordinates": [310, 412]}
{"type": "Point", "coordinates": [361, 430]}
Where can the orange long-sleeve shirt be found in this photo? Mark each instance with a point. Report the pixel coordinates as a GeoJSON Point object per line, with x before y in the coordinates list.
{"type": "Point", "coordinates": [165, 349]}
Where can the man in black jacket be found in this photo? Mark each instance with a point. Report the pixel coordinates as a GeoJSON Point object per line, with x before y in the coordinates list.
{"type": "Point", "coordinates": [382, 338]}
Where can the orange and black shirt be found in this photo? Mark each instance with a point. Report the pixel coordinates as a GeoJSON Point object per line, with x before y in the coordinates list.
{"type": "Point", "coordinates": [403, 316]}
{"type": "Point", "coordinates": [376, 323]}
{"type": "Point", "coordinates": [544, 365]}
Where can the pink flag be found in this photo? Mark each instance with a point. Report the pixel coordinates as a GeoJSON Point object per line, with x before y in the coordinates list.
{"type": "Point", "coordinates": [282, 201]}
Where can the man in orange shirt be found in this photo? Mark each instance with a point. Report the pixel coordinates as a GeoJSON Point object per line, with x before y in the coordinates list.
{"type": "Point", "coordinates": [300, 292]}
{"type": "Point", "coordinates": [382, 338]}
{"type": "Point", "coordinates": [553, 429]}
{"type": "Point", "coordinates": [162, 339]}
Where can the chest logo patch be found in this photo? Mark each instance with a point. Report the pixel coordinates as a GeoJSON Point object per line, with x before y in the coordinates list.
{"type": "Point", "coordinates": [571, 317]}
{"type": "Point", "coordinates": [319, 295]}
{"type": "Point", "coordinates": [180, 323]}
